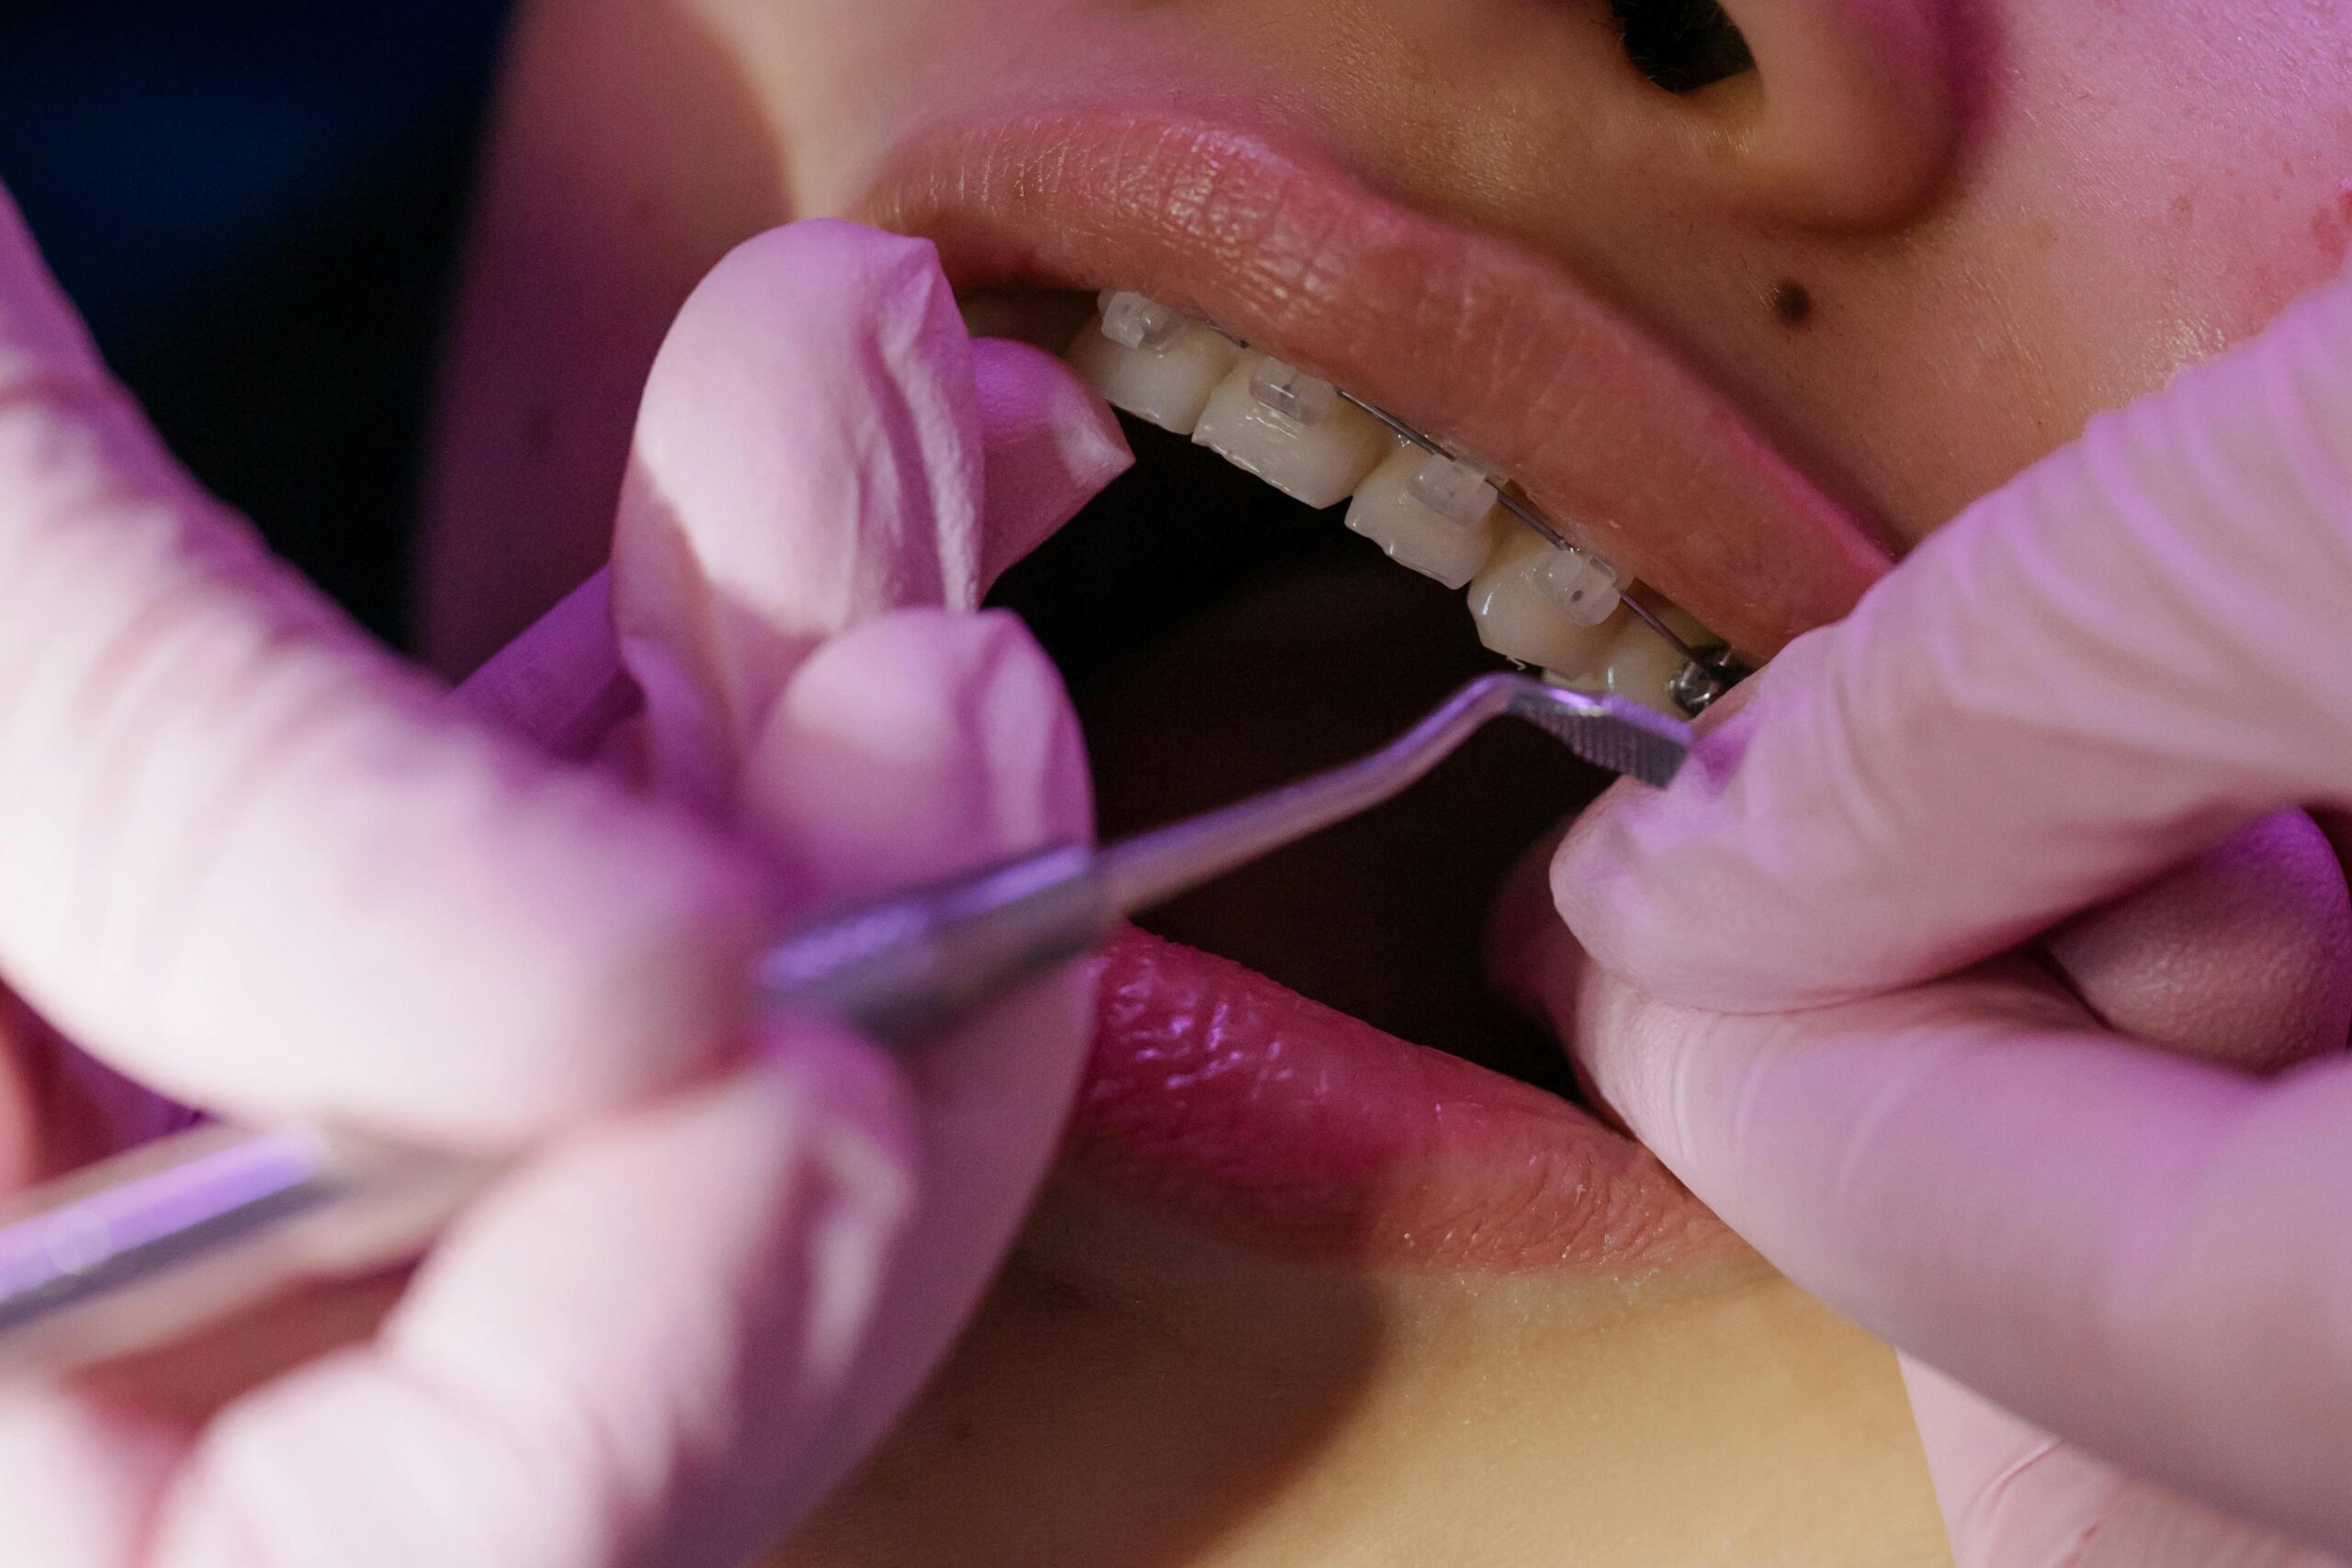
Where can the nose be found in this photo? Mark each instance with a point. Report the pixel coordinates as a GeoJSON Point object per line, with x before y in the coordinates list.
{"type": "Point", "coordinates": [1820, 114]}
{"type": "Point", "coordinates": [1848, 117]}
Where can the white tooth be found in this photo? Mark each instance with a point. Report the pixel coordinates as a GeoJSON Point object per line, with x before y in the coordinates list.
{"type": "Point", "coordinates": [1133, 321]}
{"type": "Point", "coordinates": [1393, 509]}
{"type": "Point", "coordinates": [1453, 488]}
{"type": "Point", "coordinates": [1519, 618]}
{"type": "Point", "coordinates": [1132, 354]}
{"type": "Point", "coordinates": [1581, 585]}
{"type": "Point", "coordinates": [1640, 664]}
{"type": "Point", "coordinates": [1292, 430]}
{"type": "Point", "coordinates": [1282, 386]}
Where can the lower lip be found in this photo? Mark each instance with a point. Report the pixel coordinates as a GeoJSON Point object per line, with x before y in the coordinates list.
{"type": "Point", "coordinates": [1224, 1101]}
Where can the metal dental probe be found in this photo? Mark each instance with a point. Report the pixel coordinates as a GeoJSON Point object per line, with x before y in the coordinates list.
{"type": "Point", "coordinates": [175, 1236]}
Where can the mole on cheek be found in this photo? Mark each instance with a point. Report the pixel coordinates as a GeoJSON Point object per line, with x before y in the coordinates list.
{"type": "Point", "coordinates": [1791, 303]}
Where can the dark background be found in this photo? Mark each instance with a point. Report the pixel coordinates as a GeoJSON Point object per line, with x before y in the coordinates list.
{"type": "Point", "coordinates": [257, 204]}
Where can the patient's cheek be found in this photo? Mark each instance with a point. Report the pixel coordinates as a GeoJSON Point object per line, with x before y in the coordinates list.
{"type": "Point", "coordinates": [2243, 956]}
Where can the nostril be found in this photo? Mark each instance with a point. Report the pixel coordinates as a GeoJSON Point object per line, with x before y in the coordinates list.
{"type": "Point", "coordinates": [1681, 45]}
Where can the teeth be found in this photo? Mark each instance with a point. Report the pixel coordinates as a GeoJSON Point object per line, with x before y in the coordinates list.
{"type": "Point", "coordinates": [1144, 358]}
{"type": "Point", "coordinates": [1581, 585]}
{"type": "Point", "coordinates": [1435, 514]}
{"type": "Point", "coordinates": [1292, 430]}
{"type": "Point", "coordinates": [1533, 601]}
{"type": "Point", "coordinates": [1133, 321]}
{"type": "Point", "coordinates": [1516, 601]}
{"type": "Point", "coordinates": [1640, 664]}
{"type": "Point", "coordinates": [1453, 488]}
{"type": "Point", "coordinates": [1286, 389]}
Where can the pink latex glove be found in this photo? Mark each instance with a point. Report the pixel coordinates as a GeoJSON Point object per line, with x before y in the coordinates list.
{"type": "Point", "coordinates": [249, 860]}
{"type": "Point", "coordinates": [2100, 671]}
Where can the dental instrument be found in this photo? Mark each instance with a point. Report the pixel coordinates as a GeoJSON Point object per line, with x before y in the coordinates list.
{"type": "Point", "coordinates": [186, 1231]}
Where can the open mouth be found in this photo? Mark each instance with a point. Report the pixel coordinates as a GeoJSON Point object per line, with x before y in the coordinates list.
{"type": "Point", "coordinates": [1220, 634]}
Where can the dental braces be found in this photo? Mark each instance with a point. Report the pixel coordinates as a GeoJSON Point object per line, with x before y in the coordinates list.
{"type": "Point", "coordinates": [1706, 673]}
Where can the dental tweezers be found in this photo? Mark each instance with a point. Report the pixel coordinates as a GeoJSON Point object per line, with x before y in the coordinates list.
{"type": "Point", "coordinates": [173, 1236]}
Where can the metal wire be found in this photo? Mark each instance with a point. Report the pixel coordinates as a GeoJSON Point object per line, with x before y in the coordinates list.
{"type": "Point", "coordinates": [1527, 513]}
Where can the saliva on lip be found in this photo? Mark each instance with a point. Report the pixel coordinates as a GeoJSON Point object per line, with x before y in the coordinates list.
{"type": "Point", "coordinates": [1556, 608]}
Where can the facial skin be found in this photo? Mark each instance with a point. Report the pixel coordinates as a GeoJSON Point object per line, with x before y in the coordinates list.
{"type": "Point", "coordinates": [1919, 246]}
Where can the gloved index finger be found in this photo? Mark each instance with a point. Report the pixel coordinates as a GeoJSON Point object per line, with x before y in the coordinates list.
{"type": "Point", "coordinates": [2129, 650]}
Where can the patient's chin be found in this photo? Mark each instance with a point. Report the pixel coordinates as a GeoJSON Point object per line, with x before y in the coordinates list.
{"type": "Point", "coordinates": [2242, 956]}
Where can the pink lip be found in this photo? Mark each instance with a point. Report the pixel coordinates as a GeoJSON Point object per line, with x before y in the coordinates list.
{"type": "Point", "coordinates": [1226, 1101]}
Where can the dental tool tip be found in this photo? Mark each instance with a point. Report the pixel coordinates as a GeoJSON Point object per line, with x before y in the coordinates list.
{"type": "Point", "coordinates": [1608, 732]}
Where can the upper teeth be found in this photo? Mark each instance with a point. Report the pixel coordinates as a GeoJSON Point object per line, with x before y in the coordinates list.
{"type": "Point", "coordinates": [1133, 321]}
{"type": "Point", "coordinates": [1454, 487]}
{"type": "Point", "coordinates": [1291, 430]}
{"type": "Point", "coordinates": [1535, 600]}
{"type": "Point", "coordinates": [1162, 376]}
{"type": "Point", "coordinates": [1448, 540]}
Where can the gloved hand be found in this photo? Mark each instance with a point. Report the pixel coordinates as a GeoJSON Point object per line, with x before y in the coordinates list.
{"type": "Point", "coordinates": [1799, 996]}
{"type": "Point", "coordinates": [248, 862]}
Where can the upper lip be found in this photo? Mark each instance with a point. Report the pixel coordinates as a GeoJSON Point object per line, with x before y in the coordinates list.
{"type": "Point", "coordinates": [1467, 336]}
